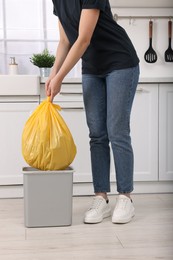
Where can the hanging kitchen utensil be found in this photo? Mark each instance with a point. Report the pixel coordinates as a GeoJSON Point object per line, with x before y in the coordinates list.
{"type": "Point", "coordinates": [150, 55]}
{"type": "Point", "coordinates": [169, 51]}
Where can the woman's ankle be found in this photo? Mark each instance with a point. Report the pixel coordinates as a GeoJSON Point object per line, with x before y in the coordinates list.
{"type": "Point", "coordinates": [126, 194]}
{"type": "Point", "coordinates": [103, 194]}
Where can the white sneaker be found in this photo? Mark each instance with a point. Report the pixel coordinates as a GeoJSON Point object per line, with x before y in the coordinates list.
{"type": "Point", "coordinates": [99, 210]}
{"type": "Point", "coordinates": [124, 210]}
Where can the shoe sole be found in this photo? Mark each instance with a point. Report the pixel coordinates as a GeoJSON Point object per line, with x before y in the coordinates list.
{"type": "Point", "coordinates": [97, 220]}
{"type": "Point", "coordinates": [123, 221]}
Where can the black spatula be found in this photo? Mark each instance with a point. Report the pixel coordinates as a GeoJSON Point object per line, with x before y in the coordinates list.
{"type": "Point", "coordinates": [150, 55]}
{"type": "Point", "coordinates": [169, 51]}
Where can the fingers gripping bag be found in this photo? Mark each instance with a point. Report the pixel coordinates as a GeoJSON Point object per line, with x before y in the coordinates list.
{"type": "Point", "coordinates": [47, 143]}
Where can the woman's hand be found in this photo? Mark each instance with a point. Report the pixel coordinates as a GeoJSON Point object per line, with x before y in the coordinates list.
{"type": "Point", "coordinates": [53, 87]}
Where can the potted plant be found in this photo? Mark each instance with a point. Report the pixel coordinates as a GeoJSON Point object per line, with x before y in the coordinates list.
{"type": "Point", "coordinates": [44, 61]}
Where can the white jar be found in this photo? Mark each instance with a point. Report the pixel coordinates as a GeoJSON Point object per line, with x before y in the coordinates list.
{"type": "Point", "coordinates": [13, 67]}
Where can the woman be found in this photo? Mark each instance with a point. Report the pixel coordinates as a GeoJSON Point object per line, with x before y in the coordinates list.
{"type": "Point", "coordinates": [110, 74]}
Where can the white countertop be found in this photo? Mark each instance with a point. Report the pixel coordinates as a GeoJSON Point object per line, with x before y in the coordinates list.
{"type": "Point", "coordinates": [156, 80]}
{"type": "Point", "coordinates": [25, 85]}
{"type": "Point", "coordinates": [141, 80]}
{"type": "Point", "coordinates": [19, 85]}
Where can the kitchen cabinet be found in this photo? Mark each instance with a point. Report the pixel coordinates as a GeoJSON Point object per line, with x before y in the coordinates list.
{"type": "Point", "coordinates": [166, 132]}
{"type": "Point", "coordinates": [13, 115]}
{"type": "Point", "coordinates": [144, 132]}
{"type": "Point", "coordinates": [151, 132]}
{"type": "Point", "coordinates": [75, 119]}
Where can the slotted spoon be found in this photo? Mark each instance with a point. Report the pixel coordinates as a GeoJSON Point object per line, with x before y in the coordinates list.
{"type": "Point", "coordinates": [169, 51]}
{"type": "Point", "coordinates": [150, 55]}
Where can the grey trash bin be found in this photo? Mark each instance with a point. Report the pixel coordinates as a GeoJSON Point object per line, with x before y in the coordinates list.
{"type": "Point", "coordinates": [47, 197]}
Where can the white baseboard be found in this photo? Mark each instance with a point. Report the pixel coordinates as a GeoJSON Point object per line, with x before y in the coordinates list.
{"type": "Point", "coordinates": [81, 189]}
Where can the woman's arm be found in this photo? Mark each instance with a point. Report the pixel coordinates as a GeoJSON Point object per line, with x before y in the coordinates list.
{"type": "Point", "coordinates": [61, 53]}
{"type": "Point", "coordinates": [87, 24]}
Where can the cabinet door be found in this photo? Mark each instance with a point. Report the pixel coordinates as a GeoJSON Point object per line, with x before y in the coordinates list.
{"type": "Point", "coordinates": [166, 132]}
{"type": "Point", "coordinates": [144, 132]}
{"type": "Point", "coordinates": [74, 116]}
{"type": "Point", "coordinates": [12, 117]}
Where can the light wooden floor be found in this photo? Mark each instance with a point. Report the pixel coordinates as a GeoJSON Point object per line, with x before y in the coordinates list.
{"type": "Point", "coordinates": [149, 236]}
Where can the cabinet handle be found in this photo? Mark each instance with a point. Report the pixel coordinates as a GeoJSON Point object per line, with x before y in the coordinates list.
{"type": "Point", "coordinates": [70, 93]}
{"type": "Point", "coordinates": [139, 90]}
{"type": "Point", "coordinates": [72, 108]}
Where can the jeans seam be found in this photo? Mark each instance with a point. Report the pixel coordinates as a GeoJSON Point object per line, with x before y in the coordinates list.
{"type": "Point", "coordinates": [128, 103]}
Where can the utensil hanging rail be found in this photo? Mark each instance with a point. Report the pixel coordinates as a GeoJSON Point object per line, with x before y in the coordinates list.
{"type": "Point", "coordinates": [117, 17]}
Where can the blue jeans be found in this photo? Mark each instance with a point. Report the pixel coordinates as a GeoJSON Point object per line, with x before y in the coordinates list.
{"type": "Point", "coordinates": [108, 101]}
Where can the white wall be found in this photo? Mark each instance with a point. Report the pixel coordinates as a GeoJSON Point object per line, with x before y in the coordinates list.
{"type": "Point", "coordinates": [138, 32]}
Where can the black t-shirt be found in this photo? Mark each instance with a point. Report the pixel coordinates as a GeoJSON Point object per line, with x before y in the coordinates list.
{"type": "Point", "coordinates": [110, 47]}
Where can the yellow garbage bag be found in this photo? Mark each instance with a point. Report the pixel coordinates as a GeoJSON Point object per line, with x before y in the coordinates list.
{"type": "Point", "coordinates": [47, 143]}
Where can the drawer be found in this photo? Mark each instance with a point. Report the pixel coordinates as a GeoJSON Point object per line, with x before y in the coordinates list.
{"type": "Point", "coordinates": [69, 92]}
